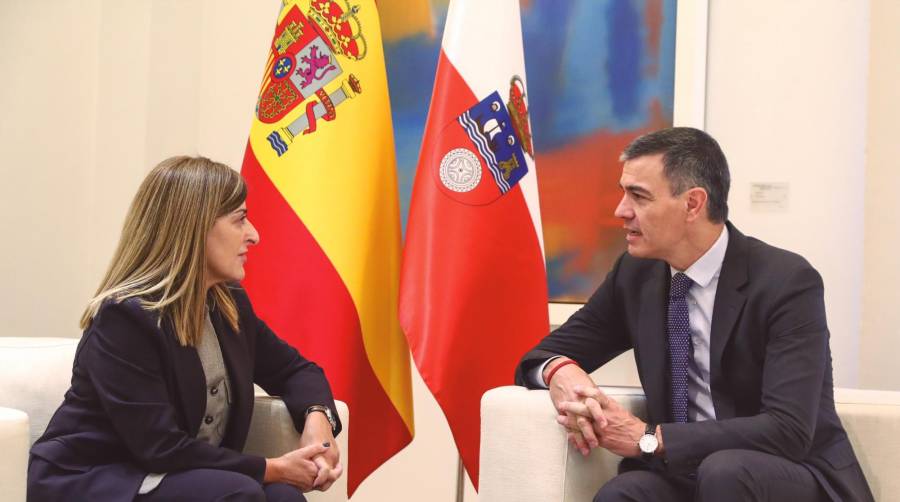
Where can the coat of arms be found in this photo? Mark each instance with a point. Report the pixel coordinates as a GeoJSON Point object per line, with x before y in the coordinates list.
{"type": "Point", "coordinates": [304, 61]}
{"type": "Point", "coordinates": [485, 148]}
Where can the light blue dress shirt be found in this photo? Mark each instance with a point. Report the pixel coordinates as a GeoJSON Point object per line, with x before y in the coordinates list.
{"type": "Point", "coordinates": [700, 299]}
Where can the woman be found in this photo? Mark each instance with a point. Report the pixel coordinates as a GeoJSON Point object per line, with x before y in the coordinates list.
{"type": "Point", "coordinates": [162, 384]}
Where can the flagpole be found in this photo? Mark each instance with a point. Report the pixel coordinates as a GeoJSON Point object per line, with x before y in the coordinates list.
{"type": "Point", "coordinates": [460, 479]}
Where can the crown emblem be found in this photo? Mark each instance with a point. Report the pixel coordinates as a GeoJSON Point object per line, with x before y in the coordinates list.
{"type": "Point", "coordinates": [340, 26]}
{"type": "Point", "coordinates": [518, 113]}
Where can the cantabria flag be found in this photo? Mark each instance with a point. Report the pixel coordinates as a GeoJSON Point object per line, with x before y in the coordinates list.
{"type": "Point", "coordinates": [473, 290]}
{"type": "Point", "coordinates": [323, 195]}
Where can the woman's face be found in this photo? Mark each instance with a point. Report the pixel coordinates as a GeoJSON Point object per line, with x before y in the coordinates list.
{"type": "Point", "coordinates": [226, 246]}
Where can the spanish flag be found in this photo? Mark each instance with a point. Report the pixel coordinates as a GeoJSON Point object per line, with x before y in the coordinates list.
{"type": "Point", "coordinates": [323, 195]}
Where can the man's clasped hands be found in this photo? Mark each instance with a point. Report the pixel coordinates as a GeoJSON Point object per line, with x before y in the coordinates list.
{"type": "Point", "coordinates": [591, 418]}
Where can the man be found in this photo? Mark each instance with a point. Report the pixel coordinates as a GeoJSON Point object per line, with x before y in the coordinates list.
{"type": "Point", "coordinates": [731, 344]}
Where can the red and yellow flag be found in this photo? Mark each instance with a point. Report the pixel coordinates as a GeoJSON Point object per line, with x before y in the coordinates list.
{"type": "Point", "coordinates": [323, 195]}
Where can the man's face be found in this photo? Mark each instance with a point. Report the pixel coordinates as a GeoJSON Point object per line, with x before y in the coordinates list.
{"type": "Point", "coordinates": [655, 220]}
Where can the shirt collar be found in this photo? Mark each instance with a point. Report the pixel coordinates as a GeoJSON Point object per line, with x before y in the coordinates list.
{"type": "Point", "coordinates": [709, 265]}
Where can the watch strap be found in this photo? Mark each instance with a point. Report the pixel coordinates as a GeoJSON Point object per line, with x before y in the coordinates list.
{"type": "Point", "coordinates": [327, 411]}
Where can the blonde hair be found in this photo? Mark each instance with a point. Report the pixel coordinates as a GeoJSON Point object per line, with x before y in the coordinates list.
{"type": "Point", "coordinates": [161, 255]}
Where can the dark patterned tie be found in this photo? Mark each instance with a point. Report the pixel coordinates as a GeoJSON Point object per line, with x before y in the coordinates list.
{"type": "Point", "coordinates": [678, 330]}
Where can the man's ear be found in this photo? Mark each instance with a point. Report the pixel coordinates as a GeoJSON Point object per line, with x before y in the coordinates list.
{"type": "Point", "coordinates": [695, 202]}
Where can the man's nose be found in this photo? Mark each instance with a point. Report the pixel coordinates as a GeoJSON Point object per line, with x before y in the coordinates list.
{"type": "Point", "coordinates": [623, 210]}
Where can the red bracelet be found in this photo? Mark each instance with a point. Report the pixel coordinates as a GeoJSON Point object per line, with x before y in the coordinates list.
{"type": "Point", "coordinates": [556, 368]}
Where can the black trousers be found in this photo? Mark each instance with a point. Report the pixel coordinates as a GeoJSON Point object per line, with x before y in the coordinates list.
{"type": "Point", "coordinates": [208, 485]}
{"type": "Point", "coordinates": [733, 475]}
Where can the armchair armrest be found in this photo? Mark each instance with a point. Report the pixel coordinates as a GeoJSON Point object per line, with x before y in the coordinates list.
{"type": "Point", "coordinates": [272, 434]}
{"type": "Point", "coordinates": [525, 455]}
{"type": "Point", "coordinates": [14, 442]}
{"type": "Point", "coordinates": [872, 421]}
{"type": "Point", "coordinates": [524, 452]}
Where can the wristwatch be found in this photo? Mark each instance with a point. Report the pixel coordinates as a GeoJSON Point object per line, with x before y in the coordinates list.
{"type": "Point", "coordinates": [327, 411]}
{"type": "Point", "coordinates": [648, 442]}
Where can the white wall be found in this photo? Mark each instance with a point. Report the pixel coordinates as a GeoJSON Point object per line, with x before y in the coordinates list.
{"type": "Point", "coordinates": [48, 103]}
{"type": "Point", "coordinates": [94, 92]}
{"type": "Point", "coordinates": [786, 99]}
{"type": "Point", "coordinates": [880, 342]}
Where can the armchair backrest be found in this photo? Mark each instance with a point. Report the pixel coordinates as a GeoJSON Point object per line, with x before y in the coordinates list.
{"type": "Point", "coordinates": [35, 373]}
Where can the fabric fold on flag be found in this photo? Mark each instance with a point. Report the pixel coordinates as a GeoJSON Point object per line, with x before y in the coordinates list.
{"type": "Point", "coordinates": [473, 294]}
{"type": "Point", "coordinates": [323, 194]}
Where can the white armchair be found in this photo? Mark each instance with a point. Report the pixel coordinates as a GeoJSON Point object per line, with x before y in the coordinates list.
{"type": "Point", "coordinates": [34, 376]}
{"type": "Point", "coordinates": [525, 455]}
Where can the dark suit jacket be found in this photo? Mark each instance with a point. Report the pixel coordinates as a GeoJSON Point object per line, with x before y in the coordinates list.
{"type": "Point", "coordinates": [770, 364]}
{"type": "Point", "coordinates": [137, 398]}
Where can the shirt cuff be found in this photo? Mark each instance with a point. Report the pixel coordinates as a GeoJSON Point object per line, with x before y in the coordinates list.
{"type": "Point", "coordinates": [537, 374]}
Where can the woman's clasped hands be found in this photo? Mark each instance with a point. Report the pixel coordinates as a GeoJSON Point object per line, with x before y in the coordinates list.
{"type": "Point", "coordinates": [315, 465]}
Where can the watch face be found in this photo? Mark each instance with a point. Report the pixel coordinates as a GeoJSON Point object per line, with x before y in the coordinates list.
{"type": "Point", "coordinates": [648, 443]}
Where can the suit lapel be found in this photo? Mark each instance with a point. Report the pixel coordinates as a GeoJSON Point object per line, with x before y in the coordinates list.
{"type": "Point", "coordinates": [726, 310]}
{"type": "Point", "coordinates": [235, 354]}
{"type": "Point", "coordinates": [651, 343]}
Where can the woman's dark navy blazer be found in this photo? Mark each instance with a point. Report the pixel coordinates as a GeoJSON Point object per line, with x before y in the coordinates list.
{"type": "Point", "coordinates": [138, 397]}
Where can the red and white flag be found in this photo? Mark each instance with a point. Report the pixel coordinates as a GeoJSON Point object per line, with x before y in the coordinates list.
{"type": "Point", "coordinates": [473, 289]}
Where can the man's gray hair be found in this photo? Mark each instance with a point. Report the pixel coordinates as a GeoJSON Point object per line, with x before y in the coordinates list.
{"type": "Point", "coordinates": [691, 158]}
